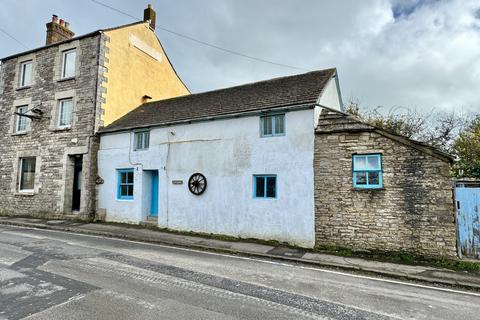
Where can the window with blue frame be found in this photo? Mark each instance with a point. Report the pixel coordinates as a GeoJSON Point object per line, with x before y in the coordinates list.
{"type": "Point", "coordinates": [125, 184]}
{"type": "Point", "coordinates": [367, 171]}
{"type": "Point", "coordinates": [272, 125]}
{"type": "Point", "coordinates": [265, 186]}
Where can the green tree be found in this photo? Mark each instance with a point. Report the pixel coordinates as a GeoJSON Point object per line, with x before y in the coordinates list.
{"type": "Point", "coordinates": [467, 149]}
{"type": "Point", "coordinates": [435, 128]}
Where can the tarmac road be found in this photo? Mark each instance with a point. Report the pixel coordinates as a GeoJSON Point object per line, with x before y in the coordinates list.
{"type": "Point", "coordinates": [58, 275]}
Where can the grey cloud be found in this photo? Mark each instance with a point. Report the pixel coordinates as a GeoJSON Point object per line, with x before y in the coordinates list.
{"type": "Point", "coordinates": [409, 52]}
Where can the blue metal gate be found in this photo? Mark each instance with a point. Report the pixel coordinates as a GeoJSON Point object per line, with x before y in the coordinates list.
{"type": "Point", "coordinates": [468, 220]}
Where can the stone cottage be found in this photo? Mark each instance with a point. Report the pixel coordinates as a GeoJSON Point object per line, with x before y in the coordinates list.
{"type": "Point", "coordinates": [276, 160]}
{"type": "Point", "coordinates": [378, 191]}
{"type": "Point", "coordinates": [53, 100]}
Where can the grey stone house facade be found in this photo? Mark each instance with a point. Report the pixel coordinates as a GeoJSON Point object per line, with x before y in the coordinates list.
{"type": "Point", "coordinates": [411, 211]}
{"type": "Point", "coordinates": [40, 155]}
{"type": "Point", "coordinates": [54, 99]}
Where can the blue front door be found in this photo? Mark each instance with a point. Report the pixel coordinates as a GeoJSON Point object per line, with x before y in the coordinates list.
{"type": "Point", "coordinates": [154, 197]}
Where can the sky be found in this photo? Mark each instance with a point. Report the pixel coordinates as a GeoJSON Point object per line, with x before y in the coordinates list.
{"type": "Point", "coordinates": [422, 54]}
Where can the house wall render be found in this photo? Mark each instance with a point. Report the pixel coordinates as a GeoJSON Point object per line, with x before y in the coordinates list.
{"type": "Point", "coordinates": [136, 65]}
{"type": "Point", "coordinates": [228, 152]}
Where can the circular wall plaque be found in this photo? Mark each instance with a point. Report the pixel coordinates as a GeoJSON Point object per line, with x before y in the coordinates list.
{"type": "Point", "coordinates": [197, 184]}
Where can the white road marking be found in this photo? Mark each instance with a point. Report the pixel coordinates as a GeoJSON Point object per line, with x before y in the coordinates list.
{"type": "Point", "coordinates": [319, 269]}
{"type": "Point", "coordinates": [72, 299]}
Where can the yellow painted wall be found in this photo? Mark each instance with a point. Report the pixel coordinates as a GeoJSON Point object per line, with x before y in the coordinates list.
{"type": "Point", "coordinates": [131, 73]}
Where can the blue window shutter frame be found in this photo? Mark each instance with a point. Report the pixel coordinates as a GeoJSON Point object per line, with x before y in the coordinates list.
{"type": "Point", "coordinates": [119, 184]}
{"type": "Point", "coordinates": [264, 177]}
{"type": "Point", "coordinates": [367, 170]}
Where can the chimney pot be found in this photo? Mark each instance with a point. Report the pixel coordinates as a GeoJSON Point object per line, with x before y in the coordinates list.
{"type": "Point", "coordinates": [146, 98]}
{"type": "Point", "coordinates": [62, 22]}
{"type": "Point", "coordinates": [54, 18]}
{"type": "Point", "coordinates": [67, 24]}
{"type": "Point", "coordinates": [149, 15]}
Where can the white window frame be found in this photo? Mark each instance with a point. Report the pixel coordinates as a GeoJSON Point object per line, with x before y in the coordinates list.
{"type": "Point", "coordinates": [60, 108]}
{"type": "Point", "coordinates": [20, 174]}
{"type": "Point", "coordinates": [64, 64]}
{"type": "Point", "coordinates": [145, 141]}
{"type": "Point", "coordinates": [20, 118]}
{"type": "Point", "coordinates": [23, 64]}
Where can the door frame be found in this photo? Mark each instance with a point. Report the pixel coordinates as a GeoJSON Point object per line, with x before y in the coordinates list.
{"type": "Point", "coordinates": [154, 193]}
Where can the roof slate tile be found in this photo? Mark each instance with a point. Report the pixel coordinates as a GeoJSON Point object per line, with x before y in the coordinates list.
{"type": "Point", "coordinates": [275, 93]}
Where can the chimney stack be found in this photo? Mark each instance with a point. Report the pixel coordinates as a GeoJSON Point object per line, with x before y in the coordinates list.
{"type": "Point", "coordinates": [58, 31]}
{"type": "Point", "coordinates": [149, 15]}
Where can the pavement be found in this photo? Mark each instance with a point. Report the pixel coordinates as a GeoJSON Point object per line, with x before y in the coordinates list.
{"type": "Point", "coordinates": [437, 276]}
{"type": "Point", "coordinates": [49, 275]}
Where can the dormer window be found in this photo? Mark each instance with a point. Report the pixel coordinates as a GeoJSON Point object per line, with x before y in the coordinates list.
{"type": "Point", "coordinates": [68, 64]}
{"type": "Point", "coordinates": [26, 73]}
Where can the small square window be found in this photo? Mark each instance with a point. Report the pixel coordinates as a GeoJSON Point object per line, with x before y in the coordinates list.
{"type": "Point", "coordinates": [367, 171]}
{"type": "Point", "coordinates": [265, 186]}
{"type": "Point", "coordinates": [26, 69]}
{"type": "Point", "coordinates": [21, 123]}
{"type": "Point", "coordinates": [142, 140]}
{"type": "Point", "coordinates": [65, 108]}
{"type": "Point", "coordinates": [27, 174]}
{"type": "Point", "coordinates": [272, 125]}
{"type": "Point", "coordinates": [68, 63]}
{"type": "Point", "coordinates": [125, 184]}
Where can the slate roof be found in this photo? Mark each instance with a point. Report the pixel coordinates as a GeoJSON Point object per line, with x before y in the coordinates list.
{"type": "Point", "coordinates": [259, 96]}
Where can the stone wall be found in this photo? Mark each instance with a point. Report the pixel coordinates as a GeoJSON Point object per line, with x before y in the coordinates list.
{"type": "Point", "coordinates": [53, 147]}
{"type": "Point", "coordinates": [413, 212]}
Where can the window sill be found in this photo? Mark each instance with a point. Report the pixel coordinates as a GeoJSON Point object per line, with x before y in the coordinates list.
{"type": "Point", "coordinates": [368, 189]}
{"type": "Point", "coordinates": [124, 200]}
{"type": "Point", "coordinates": [23, 88]}
{"type": "Point", "coordinates": [66, 79]}
{"type": "Point", "coordinates": [24, 194]}
{"type": "Point", "coordinates": [274, 136]}
{"type": "Point", "coordinates": [23, 133]}
{"type": "Point", "coordinates": [62, 129]}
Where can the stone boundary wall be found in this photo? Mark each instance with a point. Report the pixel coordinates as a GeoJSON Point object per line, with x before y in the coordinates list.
{"type": "Point", "coordinates": [413, 212]}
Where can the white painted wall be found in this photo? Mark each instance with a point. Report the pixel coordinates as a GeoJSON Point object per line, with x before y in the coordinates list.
{"type": "Point", "coordinates": [329, 98]}
{"type": "Point", "coordinates": [228, 152]}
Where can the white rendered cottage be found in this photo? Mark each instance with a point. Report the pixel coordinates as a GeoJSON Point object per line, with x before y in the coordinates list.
{"type": "Point", "coordinates": [235, 161]}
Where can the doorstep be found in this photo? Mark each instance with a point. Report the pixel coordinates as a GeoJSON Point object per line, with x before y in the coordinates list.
{"type": "Point", "coordinates": [149, 222]}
